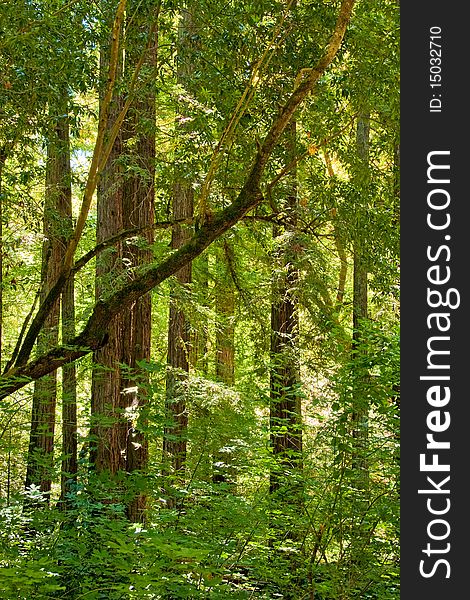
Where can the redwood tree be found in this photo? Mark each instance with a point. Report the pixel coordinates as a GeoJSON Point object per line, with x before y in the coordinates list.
{"type": "Point", "coordinates": [126, 201]}
{"type": "Point", "coordinates": [138, 212]}
{"type": "Point", "coordinates": [57, 208]}
{"type": "Point", "coordinates": [285, 403]}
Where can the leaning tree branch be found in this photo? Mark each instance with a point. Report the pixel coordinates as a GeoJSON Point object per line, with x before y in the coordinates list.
{"type": "Point", "coordinates": [94, 335]}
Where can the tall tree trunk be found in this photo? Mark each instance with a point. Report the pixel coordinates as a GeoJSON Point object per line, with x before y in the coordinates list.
{"type": "Point", "coordinates": [360, 376]}
{"type": "Point", "coordinates": [69, 380]}
{"type": "Point", "coordinates": [179, 339]}
{"type": "Point", "coordinates": [174, 442]}
{"type": "Point", "coordinates": [225, 350]}
{"type": "Point", "coordinates": [360, 310]}
{"type": "Point", "coordinates": [126, 200]}
{"type": "Point", "coordinates": [285, 403]}
{"type": "Point", "coordinates": [138, 198]}
{"type": "Point", "coordinates": [108, 425]}
{"type": "Point", "coordinates": [69, 400]}
{"type": "Point", "coordinates": [58, 198]}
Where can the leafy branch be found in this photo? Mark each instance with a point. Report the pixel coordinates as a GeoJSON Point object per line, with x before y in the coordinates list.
{"type": "Point", "coordinates": [94, 334]}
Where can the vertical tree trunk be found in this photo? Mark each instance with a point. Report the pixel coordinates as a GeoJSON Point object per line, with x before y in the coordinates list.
{"type": "Point", "coordinates": [360, 376]}
{"type": "Point", "coordinates": [69, 382]}
{"type": "Point", "coordinates": [360, 311]}
{"type": "Point", "coordinates": [139, 194]}
{"type": "Point", "coordinates": [108, 425]}
{"type": "Point", "coordinates": [225, 309]}
{"type": "Point", "coordinates": [69, 379]}
{"type": "Point", "coordinates": [58, 197]}
{"type": "Point", "coordinates": [285, 404]}
{"type": "Point", "coordinates": [174, 443]}
{"type": "Point", "coordinates": [179, 339]}
{"type": "Point", "coordinates": [69, 400]}
{"type": "Point", "coordinates": [225, 350]}
{"type": "Point", "coordinates": [126, 200]}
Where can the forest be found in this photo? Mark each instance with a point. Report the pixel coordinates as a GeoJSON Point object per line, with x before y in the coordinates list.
{"type": "Point", "coordinates": [199, 299]}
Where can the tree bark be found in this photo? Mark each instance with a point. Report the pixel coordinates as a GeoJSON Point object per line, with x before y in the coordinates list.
{"type": "Point", "coordinates": [69, 400]}
{"type": "Point", "coordinates": [58, 198]}
{"type": "Point", "coordinates": [225, 351]}
{"type": "Point", "coordinates": [138, 198]}
{"type": "Point", "coordinates": [108, 424]}
{"type": "Point", "coordinates": [174, 441]}
{"type": "Point", "coordinates": [69, 380]}
{"type": "Point", "coordinates": [285, 403]}
{"type": "Point", "coordinates": [126, 201]}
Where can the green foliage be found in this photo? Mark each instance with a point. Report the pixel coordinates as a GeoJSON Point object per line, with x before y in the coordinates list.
{"type": "Point", "coordinates": [216, 531]}
{"type": "Point", "coordinates": [225, 540]}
